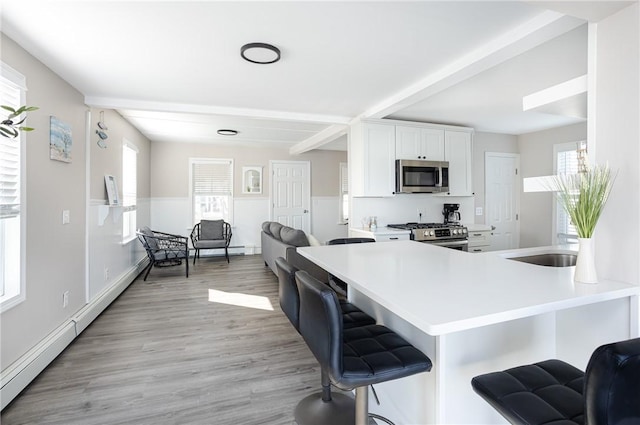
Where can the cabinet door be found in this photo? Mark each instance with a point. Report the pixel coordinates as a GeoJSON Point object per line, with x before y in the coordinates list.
{"type": "Point", "coordinates": [379, 162]}
{"type": "Point", "coordinates": [432, 146]}
{"type": "Point", "coordinates": [408, 142]}
{"type": "Point", "coordinates": [457, 150]}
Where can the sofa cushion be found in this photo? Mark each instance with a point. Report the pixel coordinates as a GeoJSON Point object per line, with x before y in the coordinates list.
{"type": "Point", "coordinates": [295, 237]}
{"type": "Point", "coordinates": [274, 228]}
{"type": "Point", "coordinates": [211, 229]}
{"type": "Point", "coordinates": [266, 228]}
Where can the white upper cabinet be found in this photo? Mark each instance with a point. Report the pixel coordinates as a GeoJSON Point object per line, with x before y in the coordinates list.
{"type": "Point", "coordinates": [419, 143]}
{"type": "Point", "coordinates": [457, 150]}
{"type": "Point", "coordinates": [372, 149]}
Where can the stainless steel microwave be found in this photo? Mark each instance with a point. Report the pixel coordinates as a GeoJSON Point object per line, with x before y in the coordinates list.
{"type": "Point", "coordinates": [419, 176]}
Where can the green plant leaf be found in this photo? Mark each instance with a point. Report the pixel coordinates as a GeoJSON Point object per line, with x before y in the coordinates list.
{"type": "Point", "coordinates": [26, 128]}
{"type": "Point", "coordinates": [8, 108]}
{"type": "Point", "coordinates": [8, 132]}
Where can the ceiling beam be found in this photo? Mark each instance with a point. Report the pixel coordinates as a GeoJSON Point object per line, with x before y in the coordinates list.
{"type": "Point", "coordinates": [544, 27]}
{"type": "Point", "coordinates": [115, 103]}
{"type": "Point", "coordinates": [327, 135]}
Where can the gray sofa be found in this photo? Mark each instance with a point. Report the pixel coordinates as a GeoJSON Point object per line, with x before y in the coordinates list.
{"type": "Point", "coordinates": [281, 241]}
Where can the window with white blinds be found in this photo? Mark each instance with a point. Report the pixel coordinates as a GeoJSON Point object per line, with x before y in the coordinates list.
{"type": "Point", "coordinates": [129, 190]}
{"type": "Point", "coordinates": [344, 193]}
{"type": "Point", "coordinates": [211, 189]}
{"type": "Point", "coordinates": [12, 93]}
{"type": "Point", "coordinates": [566, 162]}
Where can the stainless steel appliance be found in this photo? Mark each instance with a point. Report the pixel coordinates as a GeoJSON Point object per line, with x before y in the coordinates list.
{"type": "Point", "coordinates": [421, 176]}
{"type": "Point", "coordinates": [454, 236]}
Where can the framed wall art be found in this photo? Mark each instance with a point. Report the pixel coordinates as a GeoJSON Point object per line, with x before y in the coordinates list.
{"type": "Point", "coordinates": [60, 140]}
{"type": "Point", "coordinates": [112, 189]}
{"type": "Point", "coordinates": [251, 179]}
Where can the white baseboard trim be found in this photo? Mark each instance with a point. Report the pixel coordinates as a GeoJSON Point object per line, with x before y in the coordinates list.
{"type": "Point", "coordinates": [91, 311]}
{"type": "Point", "coordinates": [17, 376]}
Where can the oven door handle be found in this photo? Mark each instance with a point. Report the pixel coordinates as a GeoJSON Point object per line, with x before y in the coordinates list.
{"type": "Point", "coordinates": [449, 243]}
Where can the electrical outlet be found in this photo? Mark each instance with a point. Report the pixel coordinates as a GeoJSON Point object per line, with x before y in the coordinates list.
{"type": "Point", "coordinates": [478, 210]}
{"type": "Point", "coordinates": [65, 217]}
{"type": "Point", "coordinates": [65, 299]}
{"type": "Point", "coordinates": [106, 274]}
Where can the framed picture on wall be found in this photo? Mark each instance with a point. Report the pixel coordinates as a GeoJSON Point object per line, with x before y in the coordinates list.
{"type": "Point", "coordinates": [251, 179]}
{"type": "Point", "coordinates": [112, 189]}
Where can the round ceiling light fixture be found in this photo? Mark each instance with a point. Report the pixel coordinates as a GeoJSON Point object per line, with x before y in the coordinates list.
{"type": "Point", "coordinates": [226, 132]}
{"type": "Point", "coordinates": [261, 53]}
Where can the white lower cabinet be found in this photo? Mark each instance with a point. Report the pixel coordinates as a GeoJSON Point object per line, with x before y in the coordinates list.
{"type": "Point", "coordinates": [479, 241]}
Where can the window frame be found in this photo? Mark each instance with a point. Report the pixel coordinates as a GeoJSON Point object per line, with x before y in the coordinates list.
{"type": "Point", "coordinates": [192, 162]}
{"type": "Point", "coordinates": [129, 209]}
{"type": "Point", "coordinates": [557, 209]}
{"type": "Point", "coordinates": [343, 188]}
{"type": "Point", "coordinates": [11, 77]}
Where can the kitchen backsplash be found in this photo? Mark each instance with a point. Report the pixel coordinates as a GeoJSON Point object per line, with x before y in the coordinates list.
{"type": "Point", "coordinates": [405, 208]}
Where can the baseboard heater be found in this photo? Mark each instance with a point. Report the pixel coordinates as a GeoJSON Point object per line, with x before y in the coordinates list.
{"type": "Point", "coordinates": [17, 376]}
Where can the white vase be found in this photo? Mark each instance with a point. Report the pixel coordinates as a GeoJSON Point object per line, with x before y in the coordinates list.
{"type": "Point", "coordinates": [586, 262]}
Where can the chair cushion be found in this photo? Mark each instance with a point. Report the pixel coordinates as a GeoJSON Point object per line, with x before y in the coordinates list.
{"type": "Point", "coordinates": [548, 392]}
{"type": "Point", "coordinates": [212, 229]}
{"type": "Point", "coordinates": [295, 237]}
{"type": "Point", "coordinates": [202, 244]}
{"type": "Point", "coordinates": [274, 229]}
{"type": "Point", "coordinates": [164, 255]}
{"type": "Point", "coordinates": [374, 354]}
{"type": "Point", "coordinates": [266, 227]}
{"type": "Point", "coordinates": [353, 317]}
{"type": "Point", "coordinates": [153, 242]}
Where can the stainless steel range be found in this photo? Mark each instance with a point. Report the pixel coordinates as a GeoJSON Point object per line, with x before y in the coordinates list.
{"type": "Point", "coordinates": [449, 235]}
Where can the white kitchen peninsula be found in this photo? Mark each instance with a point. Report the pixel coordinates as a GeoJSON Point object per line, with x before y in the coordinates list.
{"type": "Point", "coordinates": [471, 314]}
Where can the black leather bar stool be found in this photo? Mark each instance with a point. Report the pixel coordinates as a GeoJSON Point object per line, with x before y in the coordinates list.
{"type": "Point", "coordinates": [555, 392]}
{"type": "Point", "coordinates": [354, 358]}
{"type": "Point", "coordinates": [323, 408]}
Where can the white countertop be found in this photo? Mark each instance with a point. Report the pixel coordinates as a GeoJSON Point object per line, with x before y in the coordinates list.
{"type": "Point", "coordinates": [442, 290]}
{"type": "Point", "coordinates": [478, 227]}
{"type": "Point", "coordinates": [382, 230]}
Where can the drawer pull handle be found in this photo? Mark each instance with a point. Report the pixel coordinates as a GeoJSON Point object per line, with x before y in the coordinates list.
{"type": "Point", "coordinates": [477, 234]}
{"type": "Point", "coordinates": [393, 239]}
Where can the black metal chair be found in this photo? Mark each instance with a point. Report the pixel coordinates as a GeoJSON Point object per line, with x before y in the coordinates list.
{"type": "Point", "coordinates": [338, 285]}
{"type": "Point", "coordinates": [164, 249]}
{"type": "Point", "coordinates": [555, 392]}
{"type": "Point", "coordinates": [323, 408]}
{"type": "Point", "coordinates": [356, 357]}
{"type": "Point", "coordinates": [211, 234]}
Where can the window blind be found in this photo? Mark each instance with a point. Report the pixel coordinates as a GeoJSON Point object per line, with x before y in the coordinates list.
{"type": "Point", "coordinates": [9, 155]}
{"type": "Point", "coordinates": [212, 178]}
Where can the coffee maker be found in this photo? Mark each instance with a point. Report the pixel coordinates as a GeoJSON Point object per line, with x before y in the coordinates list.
{"type": "Point", "coordinates": [451, 214]}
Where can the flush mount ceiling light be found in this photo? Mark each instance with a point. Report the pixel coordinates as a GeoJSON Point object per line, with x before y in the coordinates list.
{"type": "Point", "coordinates": [224, 132]}
{"type": "Point", "coordinates": [261, 53]}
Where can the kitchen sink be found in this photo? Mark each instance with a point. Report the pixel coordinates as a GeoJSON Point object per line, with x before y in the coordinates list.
{"type": "Point", "coordinates": [549, 259]}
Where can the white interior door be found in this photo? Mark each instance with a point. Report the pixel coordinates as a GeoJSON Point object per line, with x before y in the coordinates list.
{"type": "Point", "coordinates": [291, 194]}
{"type": "Point", "coordinates": [502, 199]}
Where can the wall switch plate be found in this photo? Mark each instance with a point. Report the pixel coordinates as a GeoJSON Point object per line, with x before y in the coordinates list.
{"type": "Point", "coordinates": [65, 299]}
{"type": "Point", "coordinates": [106, 274]}
{"type": "Point", "coordinates": [65, 217]}
{"type": "Point", "coordinates": [478, 210]}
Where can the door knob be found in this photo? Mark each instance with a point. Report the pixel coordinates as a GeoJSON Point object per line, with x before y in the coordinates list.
{"type": "Point", "coordinates": [305, 211]}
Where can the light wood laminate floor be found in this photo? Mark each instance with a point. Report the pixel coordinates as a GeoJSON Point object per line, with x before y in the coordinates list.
{"type": "Point", "coordinates": [165, 353]}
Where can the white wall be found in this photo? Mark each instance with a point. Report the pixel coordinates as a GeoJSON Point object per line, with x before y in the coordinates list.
{"type": "Point", "coordinates": [536, 159]}
{"type": "Point", "coordinates": [617, 136]}
{"type": "Point", "coordinates": [403, 208]}
{"type": "Point", "coordinates": [171, 211]}
{"type": "Point", "coordinates": [56, 254]}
